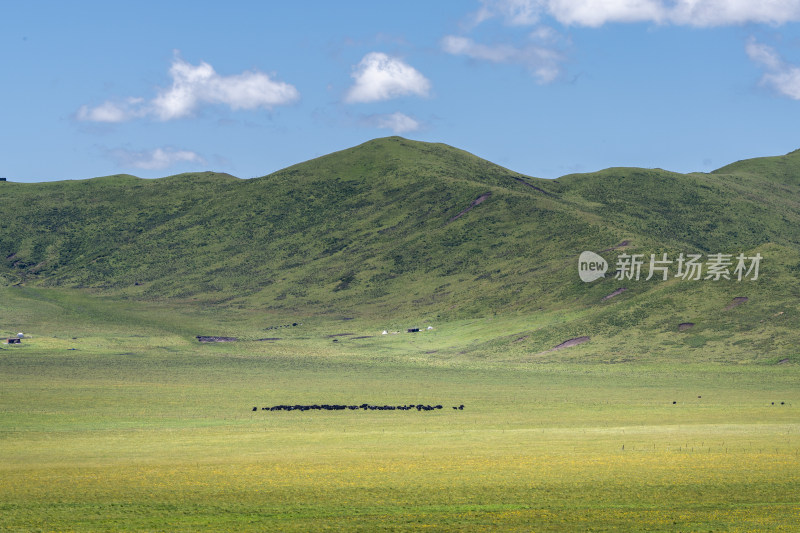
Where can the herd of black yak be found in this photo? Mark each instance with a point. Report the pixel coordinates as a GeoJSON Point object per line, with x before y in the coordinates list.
{"type": "Point", "coordinates": [363, 406]}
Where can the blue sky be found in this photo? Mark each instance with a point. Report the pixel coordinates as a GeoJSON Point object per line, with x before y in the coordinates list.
{"type": "Point", "coordinates": [544, 87]}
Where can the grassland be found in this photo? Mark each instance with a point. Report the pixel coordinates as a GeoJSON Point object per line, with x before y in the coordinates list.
{"type": "Point", "coordinates": [134, 425]}
{"type": "Point", "coordinates": [114, 417]}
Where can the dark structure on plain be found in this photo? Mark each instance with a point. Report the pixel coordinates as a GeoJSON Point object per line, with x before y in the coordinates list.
{"type": "Point", "coordinates": [413, 330]}
{"type": "Point", "coordinates": [14, 340]}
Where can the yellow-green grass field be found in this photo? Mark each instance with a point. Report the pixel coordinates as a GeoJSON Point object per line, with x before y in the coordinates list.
{"type": "Point", "coordinates": [134, 425]}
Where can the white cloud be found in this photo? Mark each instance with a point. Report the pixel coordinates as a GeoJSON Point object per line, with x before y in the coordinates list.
{"type": "Point", "coordinates": [464, 46]}
{"type": "Point", "coordinates": [192, 87]}
{"type": "Point", "coordinates": [112, 112]}
{"type": "Point", "coordinates": [380, 77]}
{"type": "Point", "coordinates": [196, 85]}
{"type": "Point", "coordinates": [733, 12]}
{"type": "Point", "coordinates": [542, 56]}
{"type": "Point", "coordinates": [397, 122]}
{"type": "Point", "coordinates": [763, 54]}
{"type": "Point", "coordinates": [157, 159]}
{"type": "Point", "coordinates": [781, 76]}
{"type": "Point", "coordinates": [544, 34]}
{"type": "Point", "coordinates": [594, 13]}
{"type": "Point", "coordinates": [513, 12]}
{"type": "Point", "coordinates": [542, 62]}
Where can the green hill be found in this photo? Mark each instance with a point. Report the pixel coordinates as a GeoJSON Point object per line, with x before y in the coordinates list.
{"type": "Point", "coordinates": [397, 230]}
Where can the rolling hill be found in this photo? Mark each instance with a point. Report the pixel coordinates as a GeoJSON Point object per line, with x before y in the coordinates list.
{"type": "Point", "coordinates": [396, 230]}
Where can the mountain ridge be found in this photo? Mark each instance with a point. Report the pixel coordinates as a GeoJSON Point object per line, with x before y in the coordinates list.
{"type": "Point", "coordinates": [730, 168]}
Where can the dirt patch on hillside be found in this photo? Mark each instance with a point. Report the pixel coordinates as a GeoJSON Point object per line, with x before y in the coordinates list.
{"type": "Point", "coordinates": [571, 342]}
{"type": "Point", "coordinates": [477, 201]}
{"type": "Point", "coordinates": [739, 300]}
{"type": "Point", "coordinates": [616, 292]}
{"type": "Point", "coordinates": [339, 335]}
{"type": "Point", "coordinates": [522, 181]}
{"type": "Point", "coordinates": [620, 245]}
{"type": "Point", "coordinates": [685, 325]}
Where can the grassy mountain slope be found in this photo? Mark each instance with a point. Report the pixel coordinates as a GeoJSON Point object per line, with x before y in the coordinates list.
{"type": "Point", "coordinates": [370, 221]}
{"type": "Point", "coordinates": [395, 229]}
{"type": "Point", "coordinates": [782, 169]}
{"type": "Point", "coordinates": [709, 212]}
